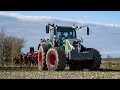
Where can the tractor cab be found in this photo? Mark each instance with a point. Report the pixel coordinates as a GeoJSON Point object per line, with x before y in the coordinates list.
{"type": "Point", "coordinates": [66, 32]}
{"type": "Point", "coordinates": [60, 33]}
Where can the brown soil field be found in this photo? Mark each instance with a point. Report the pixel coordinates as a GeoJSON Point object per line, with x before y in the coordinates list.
{"type": "Point", "coordinates": [110, 69]}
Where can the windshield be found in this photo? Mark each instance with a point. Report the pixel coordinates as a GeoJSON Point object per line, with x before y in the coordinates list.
{"type": "Point", "coordinates": [67, 34]}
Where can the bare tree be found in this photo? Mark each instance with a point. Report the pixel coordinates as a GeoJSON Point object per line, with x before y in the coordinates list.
{"type": "Point", "coordinates": [10, 46]}
{"type": "Point", "coordinates": [2, 46]}
{"type": "Point", "coordinates": [17, 45]}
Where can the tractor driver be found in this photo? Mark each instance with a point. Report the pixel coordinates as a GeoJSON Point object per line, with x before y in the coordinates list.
{"type": "Point", "coordinates": [62, 35]}
{"type": "Point", "coordinates": [69, 36]}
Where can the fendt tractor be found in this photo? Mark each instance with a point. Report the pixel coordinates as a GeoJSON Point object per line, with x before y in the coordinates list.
{"type": "Point", "coordinates": [64, 49]}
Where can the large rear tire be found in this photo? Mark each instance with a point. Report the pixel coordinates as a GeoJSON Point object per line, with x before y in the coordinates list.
{"type": "Point", "coordinates": [41, 58]}
{"type": "Point", "coordinates": [55, 59]}
{"type": "Point", "coordinates": [95, 63]}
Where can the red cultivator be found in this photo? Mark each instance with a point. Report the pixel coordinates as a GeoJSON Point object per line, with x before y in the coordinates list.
{"type": "Point", "coordinates": [31, 58]}
{"type": "Point", "coordinates": [27, 59]}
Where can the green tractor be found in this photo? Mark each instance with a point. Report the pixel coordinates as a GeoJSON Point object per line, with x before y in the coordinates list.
{"type": "Point", "coordinates": [63, 48]}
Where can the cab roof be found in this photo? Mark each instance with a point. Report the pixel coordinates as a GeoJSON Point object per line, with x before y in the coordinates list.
{"type": "Point", "coordinates": [65, 28]}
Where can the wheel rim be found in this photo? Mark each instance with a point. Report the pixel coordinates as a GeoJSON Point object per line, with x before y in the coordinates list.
{"type": "Point", "coordinates": [40, 58]}
{"type": "Point", "coordinates": [52, 59]}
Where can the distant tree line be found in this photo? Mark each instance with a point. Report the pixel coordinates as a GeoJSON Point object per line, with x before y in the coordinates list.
{"type": "Point", "coordinates": [10, 47]}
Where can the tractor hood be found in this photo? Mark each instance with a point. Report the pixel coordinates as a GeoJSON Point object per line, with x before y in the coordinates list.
{"type": "Point", "coordinates": [69, 44]}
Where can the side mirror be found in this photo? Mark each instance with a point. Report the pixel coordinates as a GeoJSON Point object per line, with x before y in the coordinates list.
{"type": "Point", "coordinates": [47, 29]}
{"type": "Point", "coordinates": [87, 30]}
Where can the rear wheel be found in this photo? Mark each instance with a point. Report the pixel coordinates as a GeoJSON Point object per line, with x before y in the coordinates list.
{"type": "Point", "coordinates": [56, 59]}
{"type": "Point", "coordinates": [41, 58]}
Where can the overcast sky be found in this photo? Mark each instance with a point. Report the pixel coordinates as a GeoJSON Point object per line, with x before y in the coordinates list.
{"type": "Point", "coordinates": [105, 17]}
{"type": "Point", "coordinates": [104, 34]}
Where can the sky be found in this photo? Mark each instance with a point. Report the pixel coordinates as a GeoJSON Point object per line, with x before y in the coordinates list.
{"type": "Point", "coordinates": [104, 17]}
{"type": "Point", "coordinates": [30, 25]}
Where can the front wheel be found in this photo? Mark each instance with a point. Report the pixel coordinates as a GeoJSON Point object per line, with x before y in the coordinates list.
{"type": "Point", "coordinates": [55, 59]}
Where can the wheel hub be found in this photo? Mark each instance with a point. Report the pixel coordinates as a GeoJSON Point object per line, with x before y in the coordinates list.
{"type": "Point", "coordinates": [52, 59]}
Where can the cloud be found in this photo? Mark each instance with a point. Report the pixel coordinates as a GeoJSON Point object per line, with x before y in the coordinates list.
{"type": "Point", "coordinates": [84, 19]}
{"type": "Point", "coordinates": [33, 18]}
{"type": "Point", "coordinates": [113, 25]}
{"type": "Point", "coordinates": [9, 14]}
{"type": "Point", "coordinates": [26, 18]}
{"type": "Point", "coordinates": [107, 24]}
